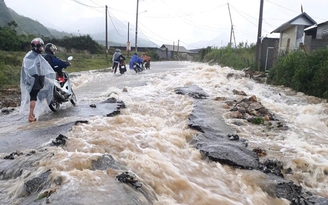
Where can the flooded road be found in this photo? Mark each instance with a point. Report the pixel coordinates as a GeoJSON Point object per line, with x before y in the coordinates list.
{"type": "Point", "coordinates": [150, 137]}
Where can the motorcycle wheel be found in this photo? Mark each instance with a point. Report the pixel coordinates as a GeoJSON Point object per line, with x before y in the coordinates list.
{"type": "Point", "coordinates": [54, 105]}
{"type": "Point", "coordinates": [73, 99]}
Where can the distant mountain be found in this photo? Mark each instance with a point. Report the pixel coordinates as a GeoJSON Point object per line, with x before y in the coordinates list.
{"type": "Point", "coordinates": [220, 41]}
{"type": "Point", "coordinates": [117, 35]}
{"type": "Point", "coordinates": [58, 34]}
{"type": "Point", "coordinates": [95, 27]}
{"type": "Point", "coordinates": [29, 26]}
{"type": "Point", "coordinates": [5, 16]}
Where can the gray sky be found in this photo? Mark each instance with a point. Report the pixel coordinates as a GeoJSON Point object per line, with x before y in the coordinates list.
{"type": "Point", "coordinates": [167, 21]}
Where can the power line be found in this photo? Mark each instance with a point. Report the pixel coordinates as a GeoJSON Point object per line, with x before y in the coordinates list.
{"type": "Point", "coordinates": [289, 9]}
{"type": "Point", "coordinates": [244, 16]}
{"type": "Point", "coordinates": [152, 32]}
{"type": "Point", "coordinates": [83, 4]}
{"type": "Point", "coordinates": [113, 24]}
{"type": "Point", "coordinates": [282, 6]}
{"type": "Point", "coordinates": [147, 37]}
{"type": "Point", "coordinates": [96, 3]}
{"type": "Point", "coordinates": [238, 11]}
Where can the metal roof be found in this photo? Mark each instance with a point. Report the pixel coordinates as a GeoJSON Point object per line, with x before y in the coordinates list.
{"type": "Point", "coordinates": [292, 22]}
{"type": "Point", "coordinates": [175, 48]}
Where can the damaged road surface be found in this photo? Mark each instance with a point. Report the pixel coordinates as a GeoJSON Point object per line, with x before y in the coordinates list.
{"type": "Point", "coordinates": [215, 143]}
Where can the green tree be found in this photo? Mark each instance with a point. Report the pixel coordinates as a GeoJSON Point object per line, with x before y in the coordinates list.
{"type": "Point", "coordinates": [9, 41]}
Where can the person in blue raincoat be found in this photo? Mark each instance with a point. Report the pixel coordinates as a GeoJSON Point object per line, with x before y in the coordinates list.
{"type": "Point", "coordinates": [135, 62]}
{"type": "Point", "coordinates": [57, 64]}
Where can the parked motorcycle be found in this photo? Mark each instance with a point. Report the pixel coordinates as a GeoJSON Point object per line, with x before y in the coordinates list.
{"type": "Point", "coordinates": [63, 92]}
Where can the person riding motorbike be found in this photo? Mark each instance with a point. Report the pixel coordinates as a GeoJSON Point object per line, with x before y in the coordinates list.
{"type": "Point", "coordinates": [137, 61]}
{"type": "Point", "coordinates": [57, 64]}
{"type": "Point", "coordinates": [36, 81]}
{"type": "Point", "coordinates": [146, 60]}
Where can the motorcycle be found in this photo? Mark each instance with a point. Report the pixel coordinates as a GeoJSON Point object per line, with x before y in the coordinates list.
{"type": "Point", "coordinates": [146, 64]}
{"type": "Point", "coordinates": [122, 67]}
{"type": "Point", "coordinates": [63, 92]}
{"type": "Point", "coordinates": [138, 67]}
{"type": "Point", "coordinates": [121, 64]}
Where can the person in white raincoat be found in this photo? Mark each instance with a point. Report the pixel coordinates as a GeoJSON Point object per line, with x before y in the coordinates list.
{"type": "Point", "coordinates": [36, 82]}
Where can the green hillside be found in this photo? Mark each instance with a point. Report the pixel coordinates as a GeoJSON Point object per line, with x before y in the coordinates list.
{"type": "Point", "coordinates": [29, 26]}
{"type": "Point", "coordinates": [5, 16]}
{"type": "Point", "coordinates": [25, 25]}
{"type": "Point", "coordinates": [58, 34]}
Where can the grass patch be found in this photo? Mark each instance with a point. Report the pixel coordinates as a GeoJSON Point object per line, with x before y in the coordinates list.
{"type": "Point", "coordinates": [11, 63]}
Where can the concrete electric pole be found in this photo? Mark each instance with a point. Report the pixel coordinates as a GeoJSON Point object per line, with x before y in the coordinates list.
{"type": "Point", "coordinates": [136, 37]}
{"type": "Point", "coordinates": [232, 31]}
{"type": "Point", "coordinates": [106, 51]}
{"type": "Point", "coordinates": [259, 34]}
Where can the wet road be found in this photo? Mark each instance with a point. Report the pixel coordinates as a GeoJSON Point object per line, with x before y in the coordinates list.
{"type": "Point", "coordinates": [91, 87]}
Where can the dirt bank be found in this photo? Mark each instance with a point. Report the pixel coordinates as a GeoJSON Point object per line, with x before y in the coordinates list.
{"type": "Point", "coordinates": [10, 97]}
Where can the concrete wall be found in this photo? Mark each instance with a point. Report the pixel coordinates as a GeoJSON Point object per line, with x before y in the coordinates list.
{"type": "Point", "coordinates": [288, 39]}
{"type": "Point", "coordinates": [269, 51]}
{"type": "Point", "coordinates": [319, 43]}
{"type": "Point", "coordinates": [322, 31]}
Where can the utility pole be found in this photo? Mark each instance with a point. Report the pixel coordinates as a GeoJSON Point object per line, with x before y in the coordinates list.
{"type": "Point", "coordinates": [136, 37]}
{"type": "Point", "coordinates": [173, 50]}
{"type": "Point", "coordinates": [106, 40]}
{"type": "Point", "coordinates": [128, 43]}
{"type": "Point", "coordinates": [231, 32]}
{"type": "Point", "coordinates": [259, 34]}
{"type": "Point", "coordinates": [178, 48]}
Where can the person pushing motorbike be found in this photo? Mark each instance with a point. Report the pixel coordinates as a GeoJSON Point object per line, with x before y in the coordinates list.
{"type": "Point", "coordinates": [146, 60]}
{"type": "Point", "coordinates": [57, 64]}
{"type": "Point", "coordinates": [36, 81]}
{"type": "Point", "coordinates": [117, 59]}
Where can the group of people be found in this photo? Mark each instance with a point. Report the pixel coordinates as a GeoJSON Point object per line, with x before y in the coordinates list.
{"type": "Point", "coordinates": [40, 68]}
{"type": "Point", "coordinates": [136, 62]}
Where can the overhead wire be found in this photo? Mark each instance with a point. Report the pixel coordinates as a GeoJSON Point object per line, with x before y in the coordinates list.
{"type": "Point", "coordinates": [183, 17]}
{"type": "Point", "coordinates": [187, 21]}
{"type": "Point", "coordinates": [240, 13]}
{"type": "Point", "coordinates": [154, 33]}
{"type": "Point", "coordinates": [289, 8]}
{"type": "Point", "coordinates": [96, 3]}
{"type": "Point", "coordinates": [113, 24]}
{"type": "Point", "coordinates": [83, 4]}
{"type": "Point", "coordinates": [282, 6]}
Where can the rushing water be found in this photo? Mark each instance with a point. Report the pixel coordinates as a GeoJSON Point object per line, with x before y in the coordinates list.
{"type": "Point", "coordinates": [150, 137]}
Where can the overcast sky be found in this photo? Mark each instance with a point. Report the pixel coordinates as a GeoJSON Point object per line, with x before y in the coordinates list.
{"type": "Point", "coordinates": [167, 21]}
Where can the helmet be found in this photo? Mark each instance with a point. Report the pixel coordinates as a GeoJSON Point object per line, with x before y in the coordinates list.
{"type": "Point", "coordinates": [118, 50]}
{"type": "Point", "coordinates": [37, 44]}
{"type": "Point", "coordinates": [51, 47]}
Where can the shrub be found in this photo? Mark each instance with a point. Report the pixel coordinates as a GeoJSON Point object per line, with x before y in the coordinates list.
{"type": "Point", "coordinates": [237, 58]}
{"type": "Point", "coordinates": [303, 73]}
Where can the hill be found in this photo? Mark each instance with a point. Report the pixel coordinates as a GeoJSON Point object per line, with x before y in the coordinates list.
{"type": "Point", "coordinates": [5, 16]}
{"type": "Point", "coordinates": [29, 26]}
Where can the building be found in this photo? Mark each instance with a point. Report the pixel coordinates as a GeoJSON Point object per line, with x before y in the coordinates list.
{"type": "Point", "coordinates": [292, 32]}
{"type": "Point", "coordinates": [172, 52]}
{"type": "Point", "coordinates": [317, 36]}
